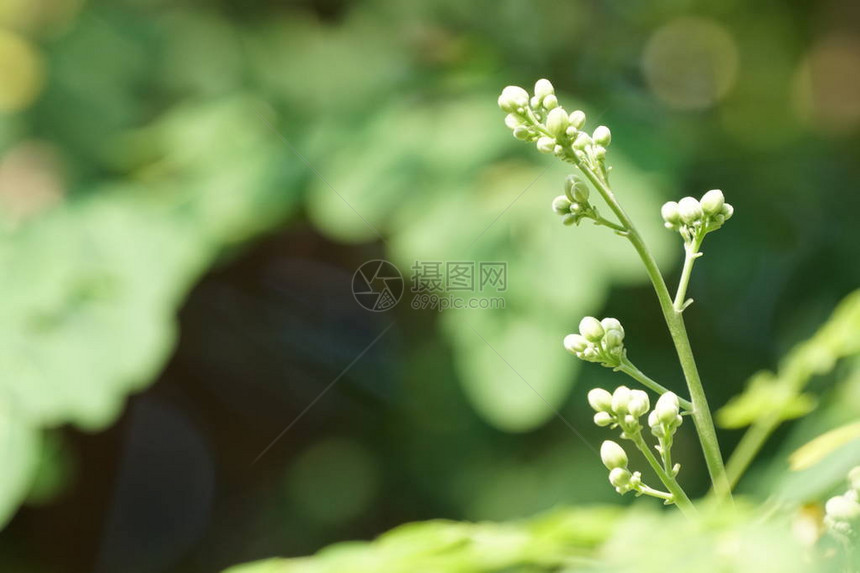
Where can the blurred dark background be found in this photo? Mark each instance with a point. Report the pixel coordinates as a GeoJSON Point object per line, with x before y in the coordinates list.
{"type": "Point", "coordinates": [186, 189]}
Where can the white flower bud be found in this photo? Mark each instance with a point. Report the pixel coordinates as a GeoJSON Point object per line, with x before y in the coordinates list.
{"type": "Point", "coordinates": [590, 328]}
{"type": "Point", "coordinates": [535, 102]}
{"type": "Point", "coordinates": [570, 219]}
{"type": "Point", "coordinates": [561, 205]}
{"type": "Point", "coordinates": [513, 98]}
{"type": "Point", "coordinates": [522, 132]}
{"type": "Point", "coordinates": [577, 118]}
{"type": "Point", "coordinates": [570, 131]}
{"type": "Point", "coordinates": [614, 341]}
{"type": "Point", "coordinates": [550, 102]}
{"type": "Point", "coordinates": [574, 343]}
{"type": "Point", "coordinates": [639, 403]}
{"type": "Point", "coordinates": [543, 88]}
{"type": "Point", "coordinates": [582, 141]}
{"type": "Point", "coordinates": [689, 210]}
{"type": "Point", "coordinates": [621, 479]}
{"type": "Point", "coordinates": [603, 419]}
{"type": "Point", "coordinates": [545, 144]}
{"type": "Point", "coordinates": [668, 408]}
{"type": "Point", "coordinates": [512, 120]}
{"type": "Point", "coordinates": [599, 399]}
{"type": "Point", "coordinates": [670, 213]}
{"type": "Point", "coordinates": [727, 211]}
{"type": "Point", "coordinates": [613, 455]}
{"type": "Point", "coordinates": [712, 202]}
{"type": "Point", "coordinates": [602, 136]}
{"type": "Point", "coordinates": [842, 508]}
{"type": "Point", "coordinates": [599, 152]}
{"type": "Point", "coordinates": [620, 400]}
{"type": "Point", "coordinates": [612, 324]}
{"type": "Point", "coordinates": [557, 122]}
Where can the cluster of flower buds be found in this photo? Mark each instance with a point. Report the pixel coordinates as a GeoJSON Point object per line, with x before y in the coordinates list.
{"type": "Point", "coordinates": [665, 418]}
{"type": "Point", "coordinates": [622, 408]}
{"type": "Point", "coordinates": [598, 341]}
{"type": "Point", "coordinates": [573, 206]}
{"type": "Point", "coordinates": [539, 119]}
{"type": "Point", "coordinates": [842, 512]}
{"type": "Point", "coordinates": [615, 459]}
{"type": "Point", "coordinates": [694, 218]}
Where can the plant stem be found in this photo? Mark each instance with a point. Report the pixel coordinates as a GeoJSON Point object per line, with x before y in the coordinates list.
{"type": "Point", "coordinates": [678, 495]}
{"type": "Point", "coordinates": [628, 368]}
{"type": "Point", "coordinates": [656, 493]}
{"type": "Point", "coordinates": [677, 329]}
{"type": "Point", "coordinates": [692, 253]}
{"type": "Point", "coordinates": [746, 450]}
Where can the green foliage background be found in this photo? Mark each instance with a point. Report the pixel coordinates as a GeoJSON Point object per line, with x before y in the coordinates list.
{"type": "Point", "coordinates": [144, 144]}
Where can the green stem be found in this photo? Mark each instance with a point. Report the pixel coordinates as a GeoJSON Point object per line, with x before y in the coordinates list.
{"type": "Point", "coordinates": [691, 254]}
{"type": "Point", "coordinates": [678, 495]}
{"type": "Point", "coordinates": [628, 368]}
{"type": "Point", "coordinates": [752, 441]}
{"type": "Point", "coordinates": [656, 493]}
{"type": "Point", "coordinates": [677, 329]}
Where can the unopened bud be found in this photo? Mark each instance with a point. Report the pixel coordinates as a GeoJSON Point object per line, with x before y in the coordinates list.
{"type": "Point", "coordinates": [612, 324]}
{"type": "Point", "coordinates": [582, 141]}
{"type": "Point", "coordinates": [670, 213]}
{"type": "Point", "coordinates": [543, 88]}
{"type": "Point", "coordinates": [639, 403]}
{"type": "Point", "coordinates": [842, 508]}
{"type": "Point", "coordinates": [577, 118]}
{"type": "Point", "coordinates": [546, 144]}
{"type": "Point", "coordinates": [689, 210]}
{"type": "Point", "coordinates": [522, 132]}
{"type": "Point", "coordinates": [602, 136]}
{"type": "Point", "coordinates": [613, 340]}
{"type": "Point", "coordinates": [603, 419]}
{"type": "Point", "coordinates": [576, 189]}
{"type": "Point", "coordinates": [550, 102]}
{"type": "Point", "coordinates": [599, 399]}
{"type": "Point", "coordinates": [712, 202]}
{"type": "Point", "coordinates": [513, 98]}
{"type": "Point", "coordinates": [667, 408]}
{"type": "Point", "coordinates": [575, 343]}
{"type": "Point", "coordinates": [621, 478]}
{"type": "Point", "coordinates": [590, 328]}
{"type": "Point", "coordinates": [561, 205]}
{"type": "Point", "coordinates": [557, 122]}
{"type": "Point", "coordinates": [620, 400]}
{"type": "Point", "coordinates": [613, 455]}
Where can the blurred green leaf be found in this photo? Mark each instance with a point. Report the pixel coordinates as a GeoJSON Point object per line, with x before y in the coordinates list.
{"type": "Point", "coordinates": [19, 450]}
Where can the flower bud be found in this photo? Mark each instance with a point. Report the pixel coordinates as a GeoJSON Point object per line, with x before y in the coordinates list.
{"type": "Point", "coordinates": [557, 122]}
{"type": "Point", "coordinates": [842, 508]}
{"type": "Point", "coordinates": [576, 189]}
{"type": "Point", "coordinates": [727, 211]}
{"type": "Point", "coordinates": [599, 152]}
{"type": "Point", "coordinates": [522, 132]}
{"type": "Point", "coordinates": [545, 144]}
{"type": "Point", "coordinates": [621, 479]}
{"type": "Point", "coordinates": [599, 399]}
{"type": "Point", "coordinates": [561, 205]}
{"type": "Point", "coordinates": [575, 343]}
{"type": "Point", "coordinates": [550, 102]}
{"type": "Point", "coordinates": [513, 98]}
{"type": "Point", "coordinates": [512, 120]}
{"type": "Point", "coordinates": [667, 408]}
{"type": "Point", "coordinates": [603, 419]}
{"type": "Point", "coordinates": [613, 455]}
{"type": "Point", "coordinates": [570, 219]}
{"type": "Point", "coordinates": [590, 328]}
{"type": "Point", "coordinates": [670, 213]}
{"type": "Point", "coordinates": [689, 210]}
{"type": "Point", "coordinates": [639, 403]}
{"type": "Point", "coordinates": [577, 118]}
{"type": "Point", "coordinates": [602, 136]}
{"type": "Point", "coordinates": [613, 340]}
{"type": "Point", "coordinates": [612, 324]}
{"type": "Point", "coordinates": [582, 141]}
{"type": "Point", "coordinates": [712, 202]}
{"type": "Point", "coordinates": [543, 88]}
{"type": "Point", "coordinates": [620, 400]}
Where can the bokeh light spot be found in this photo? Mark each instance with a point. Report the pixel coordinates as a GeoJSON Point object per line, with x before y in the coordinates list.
{"type": "Point", "coordinates": [333, 481]}
{"type": "Point", "coordinates": [21, 72]}
{"type": "Point", "coordinates": [827, 85]}
{"type": "Point", "coordinates": [690, 63]}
